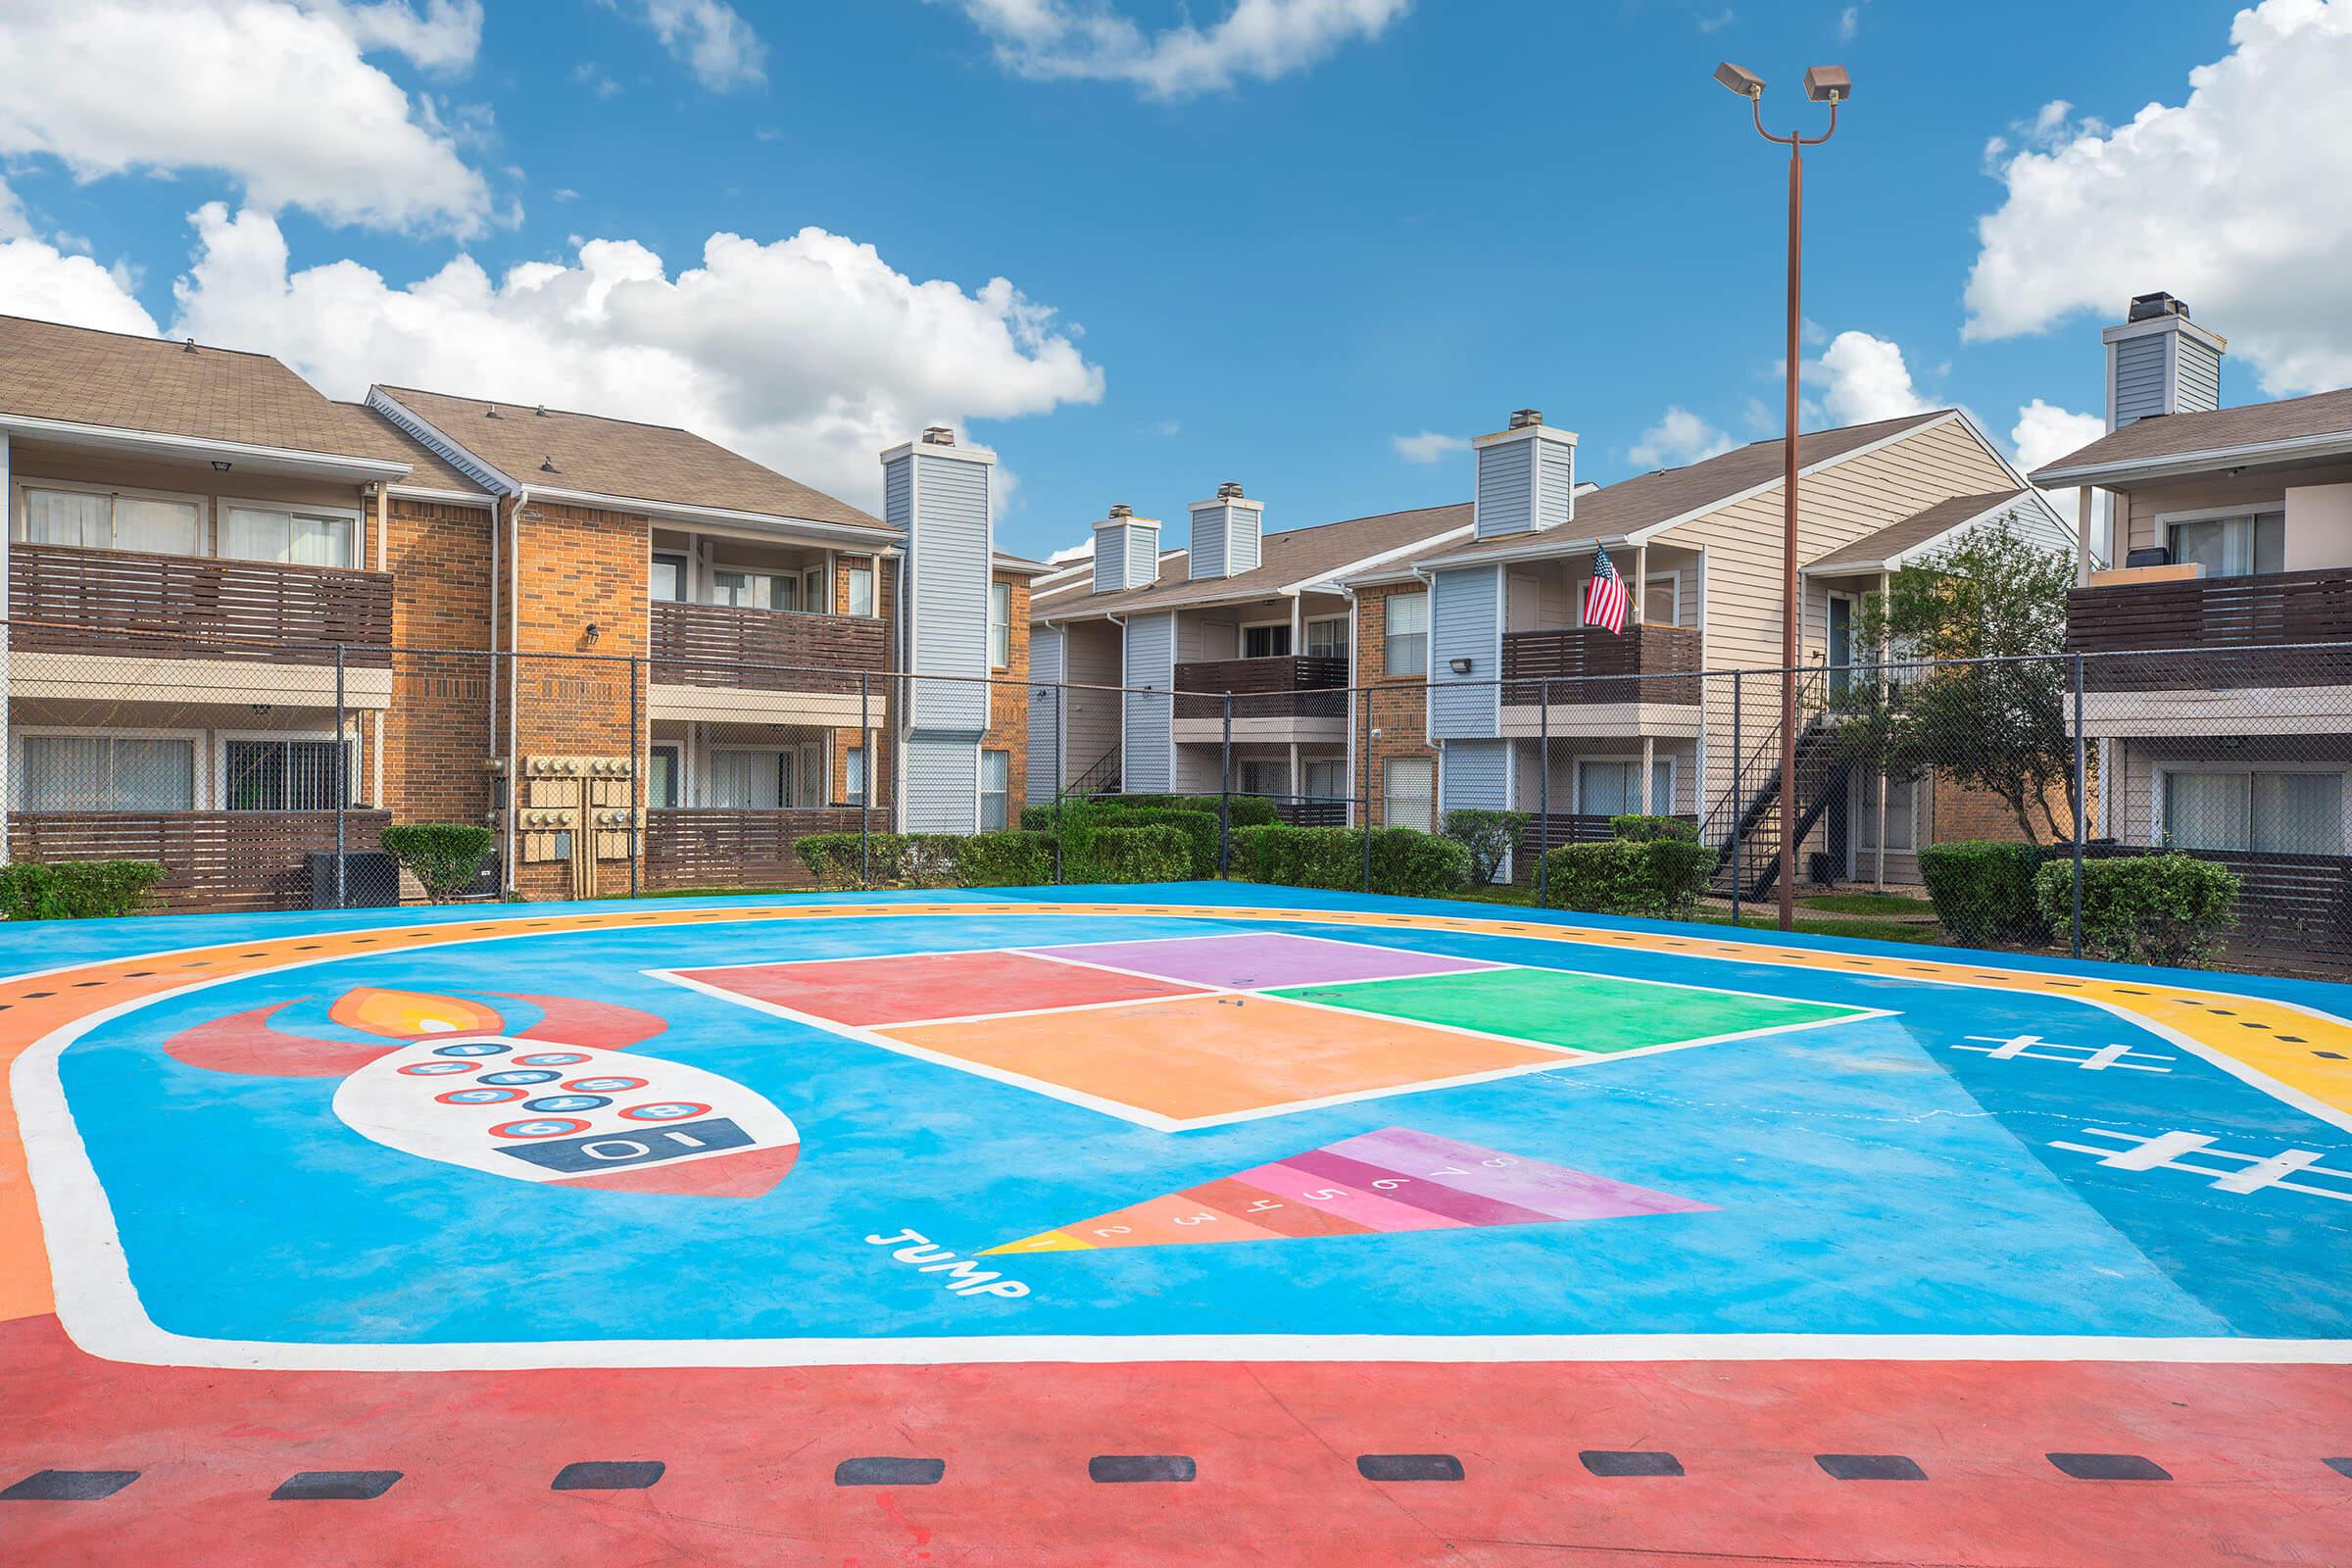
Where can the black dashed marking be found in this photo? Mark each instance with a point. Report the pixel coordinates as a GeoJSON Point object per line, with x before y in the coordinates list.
{"type": "Point", "coordinates": [1616, 1464]}
{"type": "Point", "coordinates": [2110, 1467]}
{"type": "Point", "coordinates": [334, 1486]}
{"type": "Point", "coordinates": [886, 1472]}
{"type": "Point", "coordinates": [1409, 1467]}
{"type": "Point", "coordinates": [2332, 1056]}
{"type": "Point", "coordinates": [69, 1485]}
{"type": "Point", "coordinates": [137, 974]}
{"type": "Point", "coordinates": [607, 1475]}
{"type": "Point", "coordinates": [1869, 1467]}
{"type": "Point", "coordinates": [33, 996]}
{"type": "Point", "coordinates": [2242, 1024]}
{"type": "Point", "coordinates": [1123, 1467]}
{"type": "Point", "coordinates": [84, 984]}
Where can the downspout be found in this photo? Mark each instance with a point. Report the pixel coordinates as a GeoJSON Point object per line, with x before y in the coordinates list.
{"type": "Point", "coordinates": [375, 748]}
{"type": "Point", "coordinates": [522, 498]}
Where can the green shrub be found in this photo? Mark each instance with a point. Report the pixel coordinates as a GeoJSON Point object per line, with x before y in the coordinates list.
{"type": "Point", "coordinates": [2172, 910]}
{"type": "Point", "coordinates": [1490, 836]}
{"type": "Point", "coordinates": [1661, 878]}
{"type": "Point", "coordinates": [1006, 859]}
{"type": "Point", "coordinates": [75, 890]}
{"type": "Point", "coordinates": [837, 860]}
{"type": "Point", "coordinates": [1405, 862]}
{"type": "Point", "coordinates": [1150, 853]}
{"type": "Point", "coordinates": [1636, 828]}
{"type": "Point", "coordinates": [1983, 890]}
{"type": "Point", "coordinates": [445, 857]}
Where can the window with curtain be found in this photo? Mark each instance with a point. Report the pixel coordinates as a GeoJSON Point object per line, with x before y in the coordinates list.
{"type": "Point", "coordinates": [274, 775]}
{"type": "Point", "coordinates": [1267, 642]}
{"type": "Point", "coordinates": [1327, 638]}
{"type": "Point", "coordinates": [755, 590]}
{"type": "Point", "coordinates": [1000, 626]}
{"type": "Point", "coordinates": [1262, 777]}
{"type": "Point", "coordinates": [107, 773]}
{"type": "Point", "coordinates": [2262, 812]}
{"type": "Point", "coordinates": [996, 790]}
{"type": "Point", "coordinates": [1326, 780]}
{"type": "Point", "coordinates": [1612, 787]}
{"type": "Point", "coordinates": [1903, 805]}
{"type": "Point", "coordinates": [2232, 547]}
{"type": "Point", "coordinates": [749, 781]}
{"type": "Point", "coordinates": [861, 590]}
{"type": "Point", "coordinates": [294, 538]}
{"type": "Point", "coordinates": [1408, 791]}
{"type": "Point", "coordinates": [1407, 639]}
{"type": "Point", "coordinates": [668, 580]}
{"type": "Point", "coordinates": [1662, 600]}
{"type": "Point", "coordinates": [96, 520]}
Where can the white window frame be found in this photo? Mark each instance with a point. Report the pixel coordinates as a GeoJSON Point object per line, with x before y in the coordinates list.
{"type": "Point", "coordinates": [1387, 608]}
{"type": "Point", "coordinates": [1000, 624]}
{"type": "Point", "coordinates": [1240, 639]}
{"type": "Point", "coordinates": [1576, 777]}
{"type": "Point", "coordinates": [1673, 580]}
{"type": "Point", "coordinates": [1347, 633]}
{"type": "Point", "coordinates": [197, 776]}
{"type": "Point", "coordinates": [719, 568]}
{"type": "Point", "coordinates": [19, 519]}
{"type": "Point", "coordinates": [224, 504]}
{"type": "Point", "coordinates": [1012, 815]}
{"type": "Point", "coordinates": [1866, 818]}
{"type": "Point", "coordinates": [685, 563]}
{"type": "Point", "coordinates": [1306, 767]}
{"type": "Point", "coordinates": [220, 760]}
{"type": "Point", "coordinates": [849, 589]}
{"type": "Point", "coordinates": [796, 750]}
{"type": "Point", "coordinates": [2161, 771]}
{"type": "Point", "coordinates": [678, 773]}
{"type": "Point", "coordinates": [2248, 510]}
{"type": "Point", "coordinates": [1388, 796]}
{"type": "Point", "coordinates": [853, 775]}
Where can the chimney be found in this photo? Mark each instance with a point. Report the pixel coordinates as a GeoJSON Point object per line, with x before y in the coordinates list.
{"type": "Point", "coordinates": [1525, 477]}
{"type": "Point", "coordinates": [1226, 531]}
{"type": "Point", "coordinates": [1126, 551]}
{"type": "Point", "coordinates": [2159, 361]}
{"type": "Point", "coordinates": [937, 436]}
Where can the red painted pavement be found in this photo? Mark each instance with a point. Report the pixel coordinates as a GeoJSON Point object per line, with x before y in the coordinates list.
{"type": "Point", "coordinates": [751, 1456]}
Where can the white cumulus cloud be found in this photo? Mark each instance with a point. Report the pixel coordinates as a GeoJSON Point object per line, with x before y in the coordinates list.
{"type": "Point", "coordinates": [708, 37]}
{"type": "Point", "coordinates": [810, 353]}
{"type": "Point", "coordinates": [2231, 199]}
{"type": "Point", "coordinates": [273, 93]}
{"type": "Point", "coordinates": [1428, 446]}
{"type": "Point", "coordinates": [2045, 433]}
{"type": "Point", "coordinates": [1256, 41]}
{"type": "Point", "coordinates": [1678, 438]}
{"type": "Point", "coordinates": [1860, 378]}
{"type": "Point", "coordinates": [39, 279]}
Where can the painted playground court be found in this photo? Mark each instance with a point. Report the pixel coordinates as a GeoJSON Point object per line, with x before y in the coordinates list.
{"type": "Point", "coordinates": [1205, 1223]}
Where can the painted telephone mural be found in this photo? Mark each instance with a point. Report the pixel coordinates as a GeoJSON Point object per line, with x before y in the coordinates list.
{"type": "Point", "coordinates": [541, 1089]}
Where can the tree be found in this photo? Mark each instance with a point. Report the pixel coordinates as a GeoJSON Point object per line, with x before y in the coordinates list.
{"type": "Point", "coordinates": [1976, 688]}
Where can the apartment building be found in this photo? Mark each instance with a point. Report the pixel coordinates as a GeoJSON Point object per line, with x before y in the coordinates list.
{"type": "Point", "coordinates": [2217, 646]}
{"type": "Point", "coordinates": [1160, 655]}
{"type": "Point", "coordinates": [643, 659]}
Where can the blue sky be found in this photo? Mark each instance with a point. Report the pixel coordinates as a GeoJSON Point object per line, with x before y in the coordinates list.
{"type": "Point", "coordinates": [1269, 246]}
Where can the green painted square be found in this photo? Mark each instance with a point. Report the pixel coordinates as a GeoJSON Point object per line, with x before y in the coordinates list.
{"type": "Point", "coordinates": [1583, 1011]}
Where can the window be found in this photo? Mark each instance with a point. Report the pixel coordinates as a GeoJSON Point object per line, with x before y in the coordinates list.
{"type": "Point", "coordinates": [1267, 642]}
{"type": "Point", "coordinates": [751, 781]}
{"type": "Point", "coordinates": [1326, 780]}
{"type": "Point", "coordinates": [107, 773]}
{"type": "Point", "coordinates": [668, 582]}
{"type": "Point", "coordinates": [295, 538]}
{"type": "Point", "coordinates": [2265, 814]}
{"type": "Point", "coordinates": [814, 597]}
{"type": "Point", "coordinates": [661, 778]}
{"type": "Point", "coordinates": [1903, 804]}
{"type": "Point", "coordinates": [1000, 626]}
{"type": "Point", "coordinates": [97, 520]}
{"type": "Point", "coordinates": [2232, 547]}
{"type": "Point", "coordinates": [1408, 790]}
{"type": "Point", "coordinates": [861, 590]}
{"type": "Point", "coordinates": [1407, 635]}
{"type": "Point", "coordinates": [756, 590]}
{"type": "Point", "coordinates": [996, 790]}
{"type": "Point", "coordinates": [1612, 786]}
{"type": "Point", "coordinates": [1268, 779]}
{"type": "Point", "coordinates": [1327, 637]}
{"type": "Point", "coordinates": [1662, 600]}
{"type": "Point", "coordinates": [282, 775]}
{"type": "Point", "coordinates": [853, 775]}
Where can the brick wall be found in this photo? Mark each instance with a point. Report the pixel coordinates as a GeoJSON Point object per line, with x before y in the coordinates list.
{"type": "Point", "coordinates": [437, 733]}
{"type": "Point", "coordinates": [886, 606]}
{"type": "Point", "coordinates": [1008, 700]}
{"type": "Point", "coordinates": [1399, 707]}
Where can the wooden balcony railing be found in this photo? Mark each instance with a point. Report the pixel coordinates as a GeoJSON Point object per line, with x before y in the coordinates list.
{"type": "Point", "coordinates": [1560, 829]}
{"type": "Point", "coordinates": [2214, 632]}
{"type": "Point", "coordinates": [63, 599]}
{"type": "Point", "coordinates": [1294, 686]}
{"type": "Point", "coordinates": [717, 847]}
{"type": "Point", "coordinates": [765, 649]}
{"type": "Point", "coordinates": [210, 860]}
{"type": "Point", "coordinates": [1587, 664]}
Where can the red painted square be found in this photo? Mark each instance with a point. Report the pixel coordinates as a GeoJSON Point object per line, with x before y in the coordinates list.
{"type": "Point", "coordinates": [910, 988]}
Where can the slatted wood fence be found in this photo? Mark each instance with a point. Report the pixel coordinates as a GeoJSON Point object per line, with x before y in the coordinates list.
{"type": "Point", "coordinates": [1591, 664]}
{"type": "Point", "coordinates": [768, 649]}
{"type": "Point", "coordinates": [2214, 632]}
{"type": "Point", "coordinates": [66, 599]}
{"type": "Point", "coordinates": [698, 846]}
{"type": "Point", "coordinates": [211, 860]}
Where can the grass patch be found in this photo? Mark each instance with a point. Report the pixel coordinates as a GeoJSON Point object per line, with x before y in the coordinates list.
{"type": "Point", "coordinates": [1886, 904]}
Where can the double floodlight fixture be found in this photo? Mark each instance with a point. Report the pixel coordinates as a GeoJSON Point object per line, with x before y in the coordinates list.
{"type": "Point", "coordinates": [1823, 84]}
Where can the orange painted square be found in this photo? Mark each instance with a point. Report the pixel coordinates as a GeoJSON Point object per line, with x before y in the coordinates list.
{"type": "Point", "coordinates": [1203, 1058]}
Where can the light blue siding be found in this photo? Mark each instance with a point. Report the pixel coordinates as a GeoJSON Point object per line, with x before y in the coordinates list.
{"type": "Point", "coordinates": [1506, 490]}
{"type": "Point", "coordinates": [1148, 752]}
{"type": "Point", "coordinates": [1474, 775]}
{"type": "Point", "coordinates": [943, 783]}
{"type": "Point", "coordinates": [1556, 482]}
{"type": "Point", "coordinates": [1046, 776]}
{"type": "Point", "coordinates": [1225, 541]}
{"type": "Point", "coordinates": [948, 566]}
{"type": "Point", "coordinates": [1126, 555]}
{"type": "Point", "coordinates": [1463, 609]}
{"type": "Point", "coordinates": [2197, 377]}
{"type": "Point", "coordinates": [2139, 377]}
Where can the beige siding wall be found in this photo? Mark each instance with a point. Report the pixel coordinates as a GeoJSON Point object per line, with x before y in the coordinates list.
{"type": "Point", "coordinates": [31, 462]}
{"type": "Point", "coordinates": [1091, 658]}
{"type": "Point", "coordinates": [2144, 505]}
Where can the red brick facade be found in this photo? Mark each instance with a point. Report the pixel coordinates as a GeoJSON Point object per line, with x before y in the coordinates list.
{"type": "Point", "coordinates": [1397, 723]}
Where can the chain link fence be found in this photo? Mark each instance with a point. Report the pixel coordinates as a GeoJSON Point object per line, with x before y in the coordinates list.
{"type": "Point", "coordinates": [1927, 802]}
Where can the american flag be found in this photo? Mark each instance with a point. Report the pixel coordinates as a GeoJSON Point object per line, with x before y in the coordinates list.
{"type": "Point", "coordinates": [1604, 595]}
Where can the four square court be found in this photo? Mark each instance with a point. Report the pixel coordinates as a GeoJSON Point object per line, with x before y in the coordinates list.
{"type": "Point", "coordinates": [1182, 1032]}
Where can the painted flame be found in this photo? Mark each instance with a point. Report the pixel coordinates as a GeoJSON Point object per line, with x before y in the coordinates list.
{"type": "Point", "coordinates": [412, 1015]}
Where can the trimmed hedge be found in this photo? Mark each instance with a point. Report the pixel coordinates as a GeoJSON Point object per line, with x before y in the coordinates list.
{"type": "Point", "coordinates": [928, 860]}
{"type": "Point", "coordinates": [445, 857]}
{"type": "Point", "coordinates": [1153, 853]}
{"type": "Point", "coordinates": [1984, 892]}
{"type": "Point", "coordinates": [1006, 859]}
{"type": "Point", "coordinates": [1662, 878]}
{"type": "Point", "coordinates": [1405, 862]}
{"type": "Point", "coordinates": [1640, 829]}
{"type": "Point", "coordinates": [2172, 910]}
{"type": "Point", "coordinates": [77, 889]}
{"type": "Point", "coordinates": [1490, 837]}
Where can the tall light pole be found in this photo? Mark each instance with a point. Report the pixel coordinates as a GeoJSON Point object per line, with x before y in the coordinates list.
{"type": "Point", "coordinates": [1823, 84]}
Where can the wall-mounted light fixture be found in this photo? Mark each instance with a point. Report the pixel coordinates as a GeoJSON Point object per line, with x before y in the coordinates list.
{"type": "Point", "coordinates": [219, 465]}
{"type": "Point", "coordinates": [595, 631]}
{"type": "Point", "coordinates": [1461, 667]}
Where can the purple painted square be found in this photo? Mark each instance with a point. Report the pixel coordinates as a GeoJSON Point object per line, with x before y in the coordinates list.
{"type": "Point", "coordinates": [1253, 961]}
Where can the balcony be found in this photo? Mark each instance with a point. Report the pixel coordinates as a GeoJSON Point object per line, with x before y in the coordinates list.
{"type": "Point", "coordinates": [1597, 683]}
{"type": "Point", "coordinates": [117, 626]}
{"type": "Point", "coordinates": [211, 860]}
{"type": "Point", "coordinates": [1293, 697]}
{"type": "Point", "coordinates": [720, 662]}
{"type": "Point", "coordinates": [2208, 633]}
{"type": "Point", "coordinates": [695, 847]}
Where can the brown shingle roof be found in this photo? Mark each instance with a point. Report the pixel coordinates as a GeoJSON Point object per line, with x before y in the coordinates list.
{"type": "Point", "coordinates": [428, 470]}
{"type": "Point", "coordinates": [1289, 556]}
{"type": "Point", "coordinates": [655, 462]}
{"type": "Point", "coordinates": [82, 376]}
{"type": "Point", "coordinates": [1873, 549]}
{"type": "Point", "coordinates": [2322, 413]}
{"type": "Point", "coordinates": [1617, 511]}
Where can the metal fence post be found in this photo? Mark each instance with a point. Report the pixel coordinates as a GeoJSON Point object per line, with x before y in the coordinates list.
{"type": "Point", "coordinates": [1543, 795]}
{"type": "Point", "coordinates": [1225, 798]}
{"type": "Point", "coordinates": [1061, 766]}
{"type": "Point", "coordinates": [637, 756]}
{"type": "Point", "coordinates": [866, 782]}
{"type": "Point", "coordinates": [1738, 862]}
{"type": "Point", "coordinates": [342, 782]}
{"type": "Point", "coordinates": [2081, 809]}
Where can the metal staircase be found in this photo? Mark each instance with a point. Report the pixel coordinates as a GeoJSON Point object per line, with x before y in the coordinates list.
{"type": "Point", "coordinates": [1745, 822]}
{"type": "Point", "coordinates": [1101, 777]}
